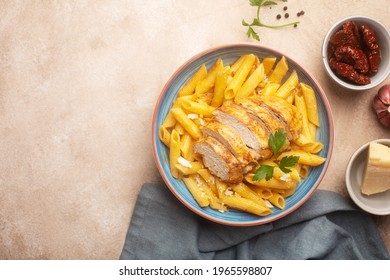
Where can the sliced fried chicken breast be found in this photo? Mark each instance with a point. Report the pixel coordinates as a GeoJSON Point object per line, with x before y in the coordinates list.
{"type": "Point", "coordinates": [219, 160]}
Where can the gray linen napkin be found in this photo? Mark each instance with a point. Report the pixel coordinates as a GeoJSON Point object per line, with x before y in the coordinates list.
{"type": "Point", "coordinates": [327, 226]}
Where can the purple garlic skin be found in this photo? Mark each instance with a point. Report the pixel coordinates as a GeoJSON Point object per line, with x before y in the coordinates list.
{"type": "Point", "coordinates": [381, 105]}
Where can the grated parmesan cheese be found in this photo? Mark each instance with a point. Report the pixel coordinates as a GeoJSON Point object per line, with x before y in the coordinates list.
{"type": "Point", "coordinates": [268, 204]}
{"type": "Point", "coordinates": [228, 192]}
{"type": "Point", "coordinates": [184, 162]}
{"type": "Point", "coordinates": [202, 122]}
{"type": "Point", "coordinates": [285, 177]}
{"type": "Point", "coordinates": [193, 116]}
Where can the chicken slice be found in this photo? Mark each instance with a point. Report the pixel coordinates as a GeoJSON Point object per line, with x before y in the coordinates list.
{"type": "Point", "coordinates": [219, 160]}
{"type": "Point", "coordinates": [284, 111]}
{"type": "Point", "coordinates": [260, 139]}
{"type": "Point", "coordinates": [228, 137]}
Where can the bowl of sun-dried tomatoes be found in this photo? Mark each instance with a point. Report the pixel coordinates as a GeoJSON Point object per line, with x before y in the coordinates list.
{"type": "Point", "coordinates": [356, 52]}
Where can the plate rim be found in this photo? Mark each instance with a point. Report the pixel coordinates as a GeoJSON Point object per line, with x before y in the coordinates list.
{"type": "Point", "coordinates": [307, 195]}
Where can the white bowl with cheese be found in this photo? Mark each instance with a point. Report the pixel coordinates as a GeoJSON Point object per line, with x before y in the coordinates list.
{"type": "Point", "coordinates": [368, 176]}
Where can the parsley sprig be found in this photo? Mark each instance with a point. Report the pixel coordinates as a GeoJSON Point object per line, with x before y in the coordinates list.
{"type": "Point", "coordinates": [276, 142]}
{"type": "Point", "coordinates": [257, 22]}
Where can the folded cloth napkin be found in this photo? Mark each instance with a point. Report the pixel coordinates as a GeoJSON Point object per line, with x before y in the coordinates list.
{"type": "Point", "coordinates": [327, 226]}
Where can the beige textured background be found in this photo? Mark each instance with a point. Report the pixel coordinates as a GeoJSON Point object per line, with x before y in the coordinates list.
{"type": "Point", "coordinates": [78, 85]}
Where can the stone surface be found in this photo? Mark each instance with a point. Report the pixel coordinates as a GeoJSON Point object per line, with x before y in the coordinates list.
{"type": "Point", "coordinates": [78, 85]}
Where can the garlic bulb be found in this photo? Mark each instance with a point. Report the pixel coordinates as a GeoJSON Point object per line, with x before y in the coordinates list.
{"type": "Point", "coordinates": [381, 104]}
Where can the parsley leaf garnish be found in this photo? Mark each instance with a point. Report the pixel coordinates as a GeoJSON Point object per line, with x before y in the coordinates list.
{"type": "Point", "coordinates": [289, 161]}
{"type": "Point", "coordinates": [257, 22]}
{"type": "Point", "coordinates": [264, 171]}
{"type": "Point", "coordinates": [276, 142]}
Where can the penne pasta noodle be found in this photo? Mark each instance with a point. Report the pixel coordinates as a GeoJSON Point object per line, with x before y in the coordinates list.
{"type": "Point", "coordinates": [198, 108]}
{"type": "Point", "coordinates": [174, 152]}
{"type": "Point", "coordinates": [220, 86]}
{"type": "Point", "coordinates": [301, 106]}
{"type": "Point", "coordinates": [246, 205]}
{"type": "Point", "coordinates": [186, 145]}
{"type": "Point", "coordinates": [215, 202]}
{"type": "Point", "coordinates": [179, 129]}
{"type": "Point", "coordinates": [313, 131]}
{"type": "Point", "coordinates": [264, 193]}
{"type": "Point", "coordinates": [188, 124]}
{"type": "Point", "coordinates": [251, 83]}
{"type": "Point", "coordinates": [195, 166]}
{"type": "Point", "coordinates": [234, 67]}
{"type": "Point", "coordinates": [271, 184]}
{"type": "Point", "coordinates": [208, 82]}
{"type": "Point", "coordinates": [270, 89]}
{"type": "Point", "coordinates": [169, 121]}
{"type": "Point", "coordinates": [190, 86]}
{"type": "Point", "coordinates": [208, 178]}
{"type": "Point", "coordinates": [279, 72]}
{"type": "Point", "coordinates": [311, 104]}
{"type": "Point", "coordinates": [305, 158]}
{"type": "Point", "coordinates": [164, 135]}
{"type": "Point", "coordinates": [194, 189]}
{"type": "Point", "coordinates": [288, 86]}
{"type": "Point", "coordinates": [304, 171]}
{"type": "Point", "coordinates": [221, 188]}
{"type": "Point", "coordinates": [246, 192]}
{"type": "Point", "coordinates": [239, 77]}
{"type": "Point", "coordinates": [308, 145]}
{"type": "Point", "coordinates": [277, 200]}
{"type": "Point", "coordinates": [268, 63]}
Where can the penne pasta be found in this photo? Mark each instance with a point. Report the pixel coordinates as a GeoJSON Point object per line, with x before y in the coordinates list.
{"type": "Point", "coordinates": [186, 145]}
{"type": "Point", "coordinates": [208, 178]}
{"type": "Point", "coordinates": [270, 89]}
{"type": "Point", "coordinates": [264, 193]}
{"type": "Point", "coordinates": [305, 158]}
{"type": "Point", "coordinates": [188, 124]}
{"type": "Point", "coordinates": [288, 86]}
{"type": "Point", "coordinates": [268, 63]}
{"type": "Point", "coordinates": [279, 72]}
{"type": "Point", "coordinates": [239, 77]}
{"type": "Point", "coordinates": [308, 145]}
{"type": "Point", "coordinates": [246, 192]}
{"type": "Point", "coordinates": [195, 166]}
{"type": "Point", "coordinates": [198, 108]}
{"type": "Point", "coordinates": [311, 104]}
{"type": "Point", "coordinates": [220, 86]}
{"type": "Point", "coordinates": [209, 80]}
{"type": "Point", "coordinates": [277, 200]}
{"type": "Point", "coordinates": [246, 205]}
{"type": "Point", "coordinates": [174, 153]}
{"type": "Point", "coordinates": [271, 184]}
{"type": "Point", "coordinates": [301, 106]}
{"type": "Point", "coordinates": [251, 83]}
{"type": "Point", "coordinates": [164, 135]}
{"type": "Point", "coordinates": [190, 86]}
{"type": "Point", "coordinates": [194, 189]}
{"type": "Point", "coordinates": [169, 121]}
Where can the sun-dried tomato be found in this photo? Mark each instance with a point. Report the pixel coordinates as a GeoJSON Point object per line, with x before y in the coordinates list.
{"type": "Point", "coordinates": [352, 27]}
{"type": "Point", "coordinates": [347, 71]}
{"type": "Point", "coordinates": [354, 53]}
{"type": "Point", "coordinates": [369, 38]}
{"type": "Point", "coordinates": [344, 37]}
{"type": "Point", "coordinates": [353, 56]}
{"type": "Point", "coordinates": [374, 59]}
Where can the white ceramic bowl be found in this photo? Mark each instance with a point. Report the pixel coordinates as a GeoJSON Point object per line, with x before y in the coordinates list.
{"type": "Point", "coordinates": [378, 204]}
{"type": "Point", "coordinates": [383, 36]}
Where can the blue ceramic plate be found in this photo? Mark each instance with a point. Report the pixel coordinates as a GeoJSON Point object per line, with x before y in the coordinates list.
{"type": "Point", "coordinates": [229, 53]}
